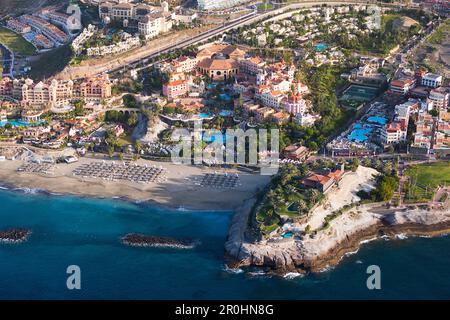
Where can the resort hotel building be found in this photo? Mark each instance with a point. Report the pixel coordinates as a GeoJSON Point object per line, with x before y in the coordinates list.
{"type": "Point", "coordinates": [151, 21]}
{"type": "Point", "coordinates": [432, 80]}
{"type": "Point", "coordinates": [55, 92]}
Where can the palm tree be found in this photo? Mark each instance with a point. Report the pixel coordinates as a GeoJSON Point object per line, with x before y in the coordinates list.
{"type": "Point", "coordinates": [302, 207]}
{"type": "Point", "coordinates": [138, 146]}
{"type": "Point", "coordinates": [315, 195]}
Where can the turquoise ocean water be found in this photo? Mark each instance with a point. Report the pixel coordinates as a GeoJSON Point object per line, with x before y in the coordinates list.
{"type": "Point", "coordinates": [85, 232]}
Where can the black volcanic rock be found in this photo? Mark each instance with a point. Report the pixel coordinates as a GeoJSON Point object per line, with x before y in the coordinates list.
{"type": "Point", "coordinates": [140, 240]}
{"type": "Point", "coordinates": [14, 235]}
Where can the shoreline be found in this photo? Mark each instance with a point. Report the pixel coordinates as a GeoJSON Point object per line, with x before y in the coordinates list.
{"type": "Point", "coordinates": [240, 253]}
{"type": "Point", "coordinates": [286, 257]}
{"type": "Point", "coordinates": [353, 245]}
{"type": "Point", "coordinates": [181, 190]}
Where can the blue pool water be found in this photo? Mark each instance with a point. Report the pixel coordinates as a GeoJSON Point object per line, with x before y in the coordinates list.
{"type": "Point", "coordinates": [288, 235]}
{"type": "Point", "coordinates": [377, 120]}
{"type": "Point", "coordinates": [225, 97]}
{"type": "Point", "coordinates": [226, 113]}
{"type": "Point", "coordinates": [86, 232]}
{"type": "Point", "coordinates": [17, 123]}
{"type": "Point", "coordinates": [204, 115]}
{"type": "Point", "coordinates": [360, 134]}
{"type": "Point", "coordinates": [219, 138]}
{"type": "Point", "coordinates": [223, 113]}
{"type": "Point", "coordinates": [320, 47]}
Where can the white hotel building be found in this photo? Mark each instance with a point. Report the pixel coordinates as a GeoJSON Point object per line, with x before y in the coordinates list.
{"type": "Point", "coordinates": [151, 20]}
{"type": "Point", "coordinates": [432, 80]}
{"type": "Point", "coordinates": [153, 24]}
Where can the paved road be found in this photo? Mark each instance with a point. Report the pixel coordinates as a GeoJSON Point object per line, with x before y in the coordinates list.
{"type": "Point", "coordinates": [241, 21]}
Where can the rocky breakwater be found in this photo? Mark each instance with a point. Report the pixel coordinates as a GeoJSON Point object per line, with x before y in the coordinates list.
{"type": "Point", "coordinates": [328, 246]}
{"type": "Point", "coordinates": [14, 235]}
{"type": "Point", "coordinates": [140, 240]}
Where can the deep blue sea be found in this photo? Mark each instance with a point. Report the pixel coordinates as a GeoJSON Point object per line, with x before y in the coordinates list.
{"type": "Point", "coordinates": [86, 232]}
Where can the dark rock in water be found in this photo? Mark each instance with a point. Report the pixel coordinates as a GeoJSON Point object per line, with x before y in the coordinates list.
{"type": "Point", "coordinates": [14, 235]}
{"type": "Point", "coordinates": [140, 240]}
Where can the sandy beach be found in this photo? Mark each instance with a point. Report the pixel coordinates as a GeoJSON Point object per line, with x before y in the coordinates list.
{"type": "Point", "coordinates": [178, 191]}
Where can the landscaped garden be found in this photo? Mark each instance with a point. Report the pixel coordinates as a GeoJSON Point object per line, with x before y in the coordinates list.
{"type": "Point", "coordinates": [16, 42]}
{"type": "Point", "coordinates": [424, 179]}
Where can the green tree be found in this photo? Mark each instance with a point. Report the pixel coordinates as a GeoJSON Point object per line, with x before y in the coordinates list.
{"type": "Point", "coordinates": [355, 164]}
{"type": "Point", "coordinates": [308, 229]}
{"type": "Point", "coordinates": [132, 120]}
{"type": "Point", "coordinates": [138, 146]}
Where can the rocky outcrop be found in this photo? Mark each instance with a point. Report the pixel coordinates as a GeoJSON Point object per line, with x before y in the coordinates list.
{"type": "Point", "coordinates": [14, 235]}
{"type": "Point", "coordinates": [139, 240]}
{"type": "Point", "coordinates": [311, 255]}
{"type": "Point", "coordinates": [278, 255]}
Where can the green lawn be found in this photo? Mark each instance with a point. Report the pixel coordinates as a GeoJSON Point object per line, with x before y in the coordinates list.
{"type": "Point", "coordinates": [125, 139]}
{"type": "Point", "coordinates": [265, 6]}
{"type": "Point", "coordinates": [424, 179]}
{"type": "Point", "coordinates": [16, 42]}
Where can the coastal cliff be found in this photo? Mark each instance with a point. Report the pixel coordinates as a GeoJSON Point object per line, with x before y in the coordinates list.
{"type": "Point", "coordinates": [328, 247]}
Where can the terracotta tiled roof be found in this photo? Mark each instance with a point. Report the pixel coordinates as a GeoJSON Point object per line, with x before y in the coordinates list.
{"type": "Point", "coordinates": [316, 178]}
{"type": "Point", "coordinates": [213, 64]}
{"type": "Point", "coordinates": [176, 83]}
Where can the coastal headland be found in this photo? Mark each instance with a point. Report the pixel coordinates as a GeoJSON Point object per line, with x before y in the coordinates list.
{"type": "Point", "coordinates": [327, 246]}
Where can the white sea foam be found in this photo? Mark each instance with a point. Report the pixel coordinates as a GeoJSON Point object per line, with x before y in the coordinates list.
{"type": "Point", "coordinates": [327, 268]}
{"type": "Point", "coordinates": [368, 240]}
{"type": "Point", "coordinates": [401, 236]}
{"type": "Point", "coordinates": [28, 190]}
{"type": "Point", "coordinates": [292, 275]}
{"type": "Point", "coordinates": [232, 270]}
{"type": "Point", "coordinates": [258, 273]}
{"type": "Point", "coordinates": [351, 253]}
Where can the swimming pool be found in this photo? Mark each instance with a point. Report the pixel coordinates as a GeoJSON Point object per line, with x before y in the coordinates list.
{"type": "Point", "coordinates": [221, 138]}
{"type": "Point", "coordinates": [287, 235]}
{"type": "Point", "coordinates": [17, 123]}
{"type": "Point", "coordinates": [204, 115]}
{"type": "Point", "coordinates": [377, 120]}
{"type": "Point", "coordinates": [360, 134]}
{"type": "Point", "coordinates": [225, 97]}
{"type": "Point", "coordinates": [226, 113]}
{"type": "Point", "coordinates": [321, 47]}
